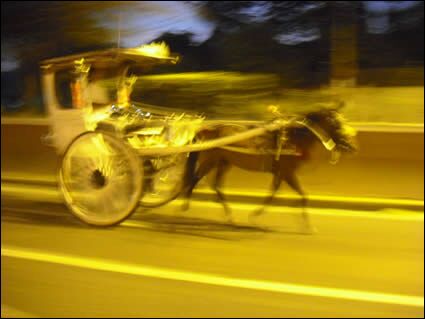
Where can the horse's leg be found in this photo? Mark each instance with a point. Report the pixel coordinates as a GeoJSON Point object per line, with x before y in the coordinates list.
{"type": "Point", "coordinates": [190, 179]}
{"type": "Point", "coordinates": [190, 175]}
{"type": "Point", "coordinates": [277, 180]}
{"type": "Point", "coordinates": [291, 179]}
{"type": "Point", "coordinates": [204, 169]}
{"type": "Point", "coordinates": [222, 168]}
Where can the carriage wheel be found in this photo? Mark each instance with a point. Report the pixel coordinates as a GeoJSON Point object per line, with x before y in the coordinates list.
{"type": "Point", "coordinates": [164, 179]}
{"type": "Point", "coordinates": [101, 179]}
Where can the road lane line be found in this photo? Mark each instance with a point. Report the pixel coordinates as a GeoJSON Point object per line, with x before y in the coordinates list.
{"type": "Point", "coordinates": [211, 279]}
{"type": "Point", "coordinates": [52, 192]}
{"type": "Point", "coordinates": [384, 214]}
{"type": "Point", "coordinates": [341, 199]}
{"type": "Point", "coordinates": [133, 220]}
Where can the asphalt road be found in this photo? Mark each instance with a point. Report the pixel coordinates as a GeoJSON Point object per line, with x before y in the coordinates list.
{"type": "Point", "coordinates": [164, 263]}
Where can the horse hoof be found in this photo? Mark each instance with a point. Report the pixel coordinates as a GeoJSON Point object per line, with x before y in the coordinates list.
{"type": "Point", "coordinates": [229, 218]}
{"type": "Point", "coordinates": [309, 230]}
{"type": "Point", "coordinates": [257, 213]}
{"type": "Point", "coordinates": [252, 218]}
{"type": "Point", "coordinates": [229, 221]}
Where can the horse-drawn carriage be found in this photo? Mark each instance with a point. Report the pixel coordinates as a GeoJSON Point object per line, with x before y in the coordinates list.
{"type": "Point", "coordinates": [117, 154]}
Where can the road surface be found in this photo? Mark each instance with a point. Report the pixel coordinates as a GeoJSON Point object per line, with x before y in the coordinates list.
{"type": "Point", "coordinates": [164, 263]}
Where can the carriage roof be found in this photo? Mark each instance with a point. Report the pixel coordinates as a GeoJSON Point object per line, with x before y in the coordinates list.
{"type": "Point", "coordinates": [110, 58]}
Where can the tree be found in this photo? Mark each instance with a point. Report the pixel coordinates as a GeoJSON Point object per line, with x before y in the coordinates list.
{"type": "Point", "coordinates": [35, 30]}
{"type": "Point", "coordinates": [43, 29]}
{"type": "Point", "coordinates": [290, 38]}
{"type": "Point", "coordinates": [280, 16]}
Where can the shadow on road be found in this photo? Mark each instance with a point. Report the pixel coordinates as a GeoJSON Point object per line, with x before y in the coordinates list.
{"type": "Point", "coordinates": [201, 227]}
{"type": "Point", "coordinates": [56, 215]}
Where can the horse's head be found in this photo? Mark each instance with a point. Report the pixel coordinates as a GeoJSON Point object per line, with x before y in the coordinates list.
{"type": "Point", "coordinates": [333, 124]}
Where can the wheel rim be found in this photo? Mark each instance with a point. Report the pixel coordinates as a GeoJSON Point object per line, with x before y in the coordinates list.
{"type": "Point", "coordinates": [166, 180]}
{"type": "Point", "coordinates": [101, 179]}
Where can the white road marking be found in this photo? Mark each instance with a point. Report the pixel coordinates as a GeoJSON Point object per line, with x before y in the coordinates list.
{"type": "Point", "coordinates": [53, 195]}
{"type": "Point", "coordinates": [211, 279]}
{"type": "Point", "coordinates": [387, 214]}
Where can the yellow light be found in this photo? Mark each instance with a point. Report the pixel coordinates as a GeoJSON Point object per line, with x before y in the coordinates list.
{"type": "Point", "coordinates": [154, 49]}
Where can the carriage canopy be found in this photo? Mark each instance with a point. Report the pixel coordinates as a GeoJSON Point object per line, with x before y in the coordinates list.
{"type": "Point", "coordinates": [145, 55]}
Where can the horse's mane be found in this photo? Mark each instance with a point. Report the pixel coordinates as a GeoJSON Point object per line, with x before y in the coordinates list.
{"type": "Point", "coordinates": [337, 127]}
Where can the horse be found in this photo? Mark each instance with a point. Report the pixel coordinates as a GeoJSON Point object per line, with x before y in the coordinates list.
{"type": "Point", "coordinates": [269, 154]}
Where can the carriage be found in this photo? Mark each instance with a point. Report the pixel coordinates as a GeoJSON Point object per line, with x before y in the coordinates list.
{"type": "Point", "coordinates": [117, 154]}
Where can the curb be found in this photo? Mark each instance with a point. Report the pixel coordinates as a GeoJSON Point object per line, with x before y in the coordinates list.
{"type": "Point", "coordinates": [317, 201]}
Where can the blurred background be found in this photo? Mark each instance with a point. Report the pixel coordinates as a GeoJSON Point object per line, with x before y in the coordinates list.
{"type": "Point", "coordinates": [238, 57]}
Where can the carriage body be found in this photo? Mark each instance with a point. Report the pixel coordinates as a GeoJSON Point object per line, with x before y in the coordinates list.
{"type": "Point", "coordinates": [102, 176]}
{"type": "Point", "coordinates": [76, 111]}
